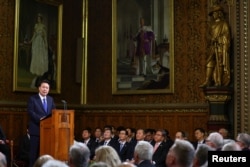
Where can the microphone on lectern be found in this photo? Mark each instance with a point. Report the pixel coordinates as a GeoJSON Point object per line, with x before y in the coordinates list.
{"type": "Point", "coordinates": [64, 104]}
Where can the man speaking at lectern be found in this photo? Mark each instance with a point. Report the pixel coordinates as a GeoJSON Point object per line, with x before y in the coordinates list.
{"type": "Point", "coordinates": [39, 106]}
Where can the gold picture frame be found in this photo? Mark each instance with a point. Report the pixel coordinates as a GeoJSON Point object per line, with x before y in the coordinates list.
{"type": "Point", "coordinates": [146, 68]}
{"type": "Point", "coordinates": [37, 44]}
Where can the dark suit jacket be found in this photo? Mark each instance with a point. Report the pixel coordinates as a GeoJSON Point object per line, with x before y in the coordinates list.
{"type": "Point", "coordinates": [195, 144]}
{"type": "Point", "coordinates": [36, 112]}
{"type": "Point", "coordinates": [124, 153]}
{"type": "Point", "coordinates": [145, 163]}
{"type": "Point", "coordinates": [112, 143]}
{"type": "Point", "coordinates": [92, 145]}
{"type": "Point", "coordinates": [159, 156]}
{"type": "Point", "coordinates": [132, 144]}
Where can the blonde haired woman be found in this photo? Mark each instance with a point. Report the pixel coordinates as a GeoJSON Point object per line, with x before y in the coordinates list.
{"type": "Point", "coordinates": [108, 155]}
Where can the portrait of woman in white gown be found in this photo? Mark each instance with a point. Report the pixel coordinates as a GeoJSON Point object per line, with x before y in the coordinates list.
{"type": "Point", "coordinates": [39, 50]}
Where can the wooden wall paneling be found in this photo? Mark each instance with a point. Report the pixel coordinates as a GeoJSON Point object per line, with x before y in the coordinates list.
{"type": "Point", "coordinates": [102, 120]}
{"type": "Point", "coordinates": [127, 120]}
{"type": "Point", "coordinates": [200, 121]}
{"type": "Point", "coordinates": [115, 120]}
{"type": "Point", "coordinates": [170, 124]}
{"type": "Point", "coordinates": [5, 123]}
{"type": "Point", "coordinates": [155, 121]}
{"type": "Point", "coordinates": [140, 121]}
{"type": "Point", "coordinates": [184, 123]}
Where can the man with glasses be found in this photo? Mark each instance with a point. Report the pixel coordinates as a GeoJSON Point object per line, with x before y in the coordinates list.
{"type": "Point", "coordinates": [160, 148]}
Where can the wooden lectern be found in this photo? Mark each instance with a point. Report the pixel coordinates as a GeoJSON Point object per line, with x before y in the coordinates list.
{"type": "Point", "coordinates": [57, 134]}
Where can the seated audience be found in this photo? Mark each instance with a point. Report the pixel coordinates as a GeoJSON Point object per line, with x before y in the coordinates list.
{"type": "Point", "coordinates": [180, 154]}
{"type": "Point", "coordinates": [201, 155]}
{"type": "Point", "coordinates": [107, 139]}
{"type": "Point", "coordinates": [140, 136]}
{"type": "Point", "coordinates": [123, 146]}
{"type": "Point", "coordinates": [79, 155]}
{"type": "Point", "coordinates": [180, 135]}
{"type": "Point", "coordinates": [149, 137]}
{"type": "Point", "coordinates": [54, 163]}
{"type": "Point", "coordinates": [90, 142]}
{"type": "Point", "coordinates": [42, 159]}
{"type": "Point", "coordinates": [98, 136]}
{"type": "Point", "coordinates": [231, 146]}
{"type": "Point", "coordinates": [243, 140]}
{"type": "Point", "coordinates": [3, 161]}
{"type": "Point", "coordinates": [143, 154]}
{"type": "Point", "coordinates": [131, 134]}
{"type": "Point", "coordinates": [215, 140]}
{"type": "Point", "coordinates": [199, 134]}
{"type": "Point", "coordinates": [224, 133]}
{"type": "Point", "coordinates": [160, 148]}
{"type": "Point", "coordinates": [108, 155]}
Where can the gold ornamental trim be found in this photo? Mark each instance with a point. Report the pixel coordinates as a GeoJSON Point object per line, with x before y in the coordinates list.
{"type": "Point", "coordinates": [218, 98]}
{"type": "Point", "coordinates": [218, 118]}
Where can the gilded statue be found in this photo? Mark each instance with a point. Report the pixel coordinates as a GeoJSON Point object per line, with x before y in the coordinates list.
{"type": "Point", "coordinates": [218, 60]}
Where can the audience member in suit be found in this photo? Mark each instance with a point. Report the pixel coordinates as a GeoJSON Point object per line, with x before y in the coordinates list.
{"type": "Point", "coordinates": [140, 136]}
{"type": "Point", "coordinates": [224, 133]}
{"type": "Point", "coordinates": [180, 154]}
{"type": "Point", "coordinates": [37, 111]}
{"type": "Point", "coordinates": [201, 156]}
{"type": "Point", "coordinates": [90, 142]}
{"type": "Point", "coordinates": [180, 135]}
{"type": "Point", "coordinates": [215, 140]}
{"type": "Point", "coordinates": [243, 140]}
{"type": "Point", "coordinates": [24, 148]}
{"type": "Point", "coordinates": [231, 146]}
{"type": "Point", "coordinates": [160, 148]}
{"type": "Point", "coordinates": [79, 155]}
{"type": "Point", "coordinates": [122, 147]}
{"type": "Point", "coordinates": [200, 136]}
{"type": "Point", "coordinates": [169, 142]}
{"type": "Point", "coordinates": [98, 136]}
{"type": "Point", "coordinates": [3, 146]}
{"type": "Point", "coordinates": [143, 154]}
{"type": "Point", "coordinates": [130, 134]}
{"type": "Point", "coordinates": [107, 139]}
{"type": "Point", "coordinates": [114, 133]}
{"type": "Point", "coordinates": [149, 135]}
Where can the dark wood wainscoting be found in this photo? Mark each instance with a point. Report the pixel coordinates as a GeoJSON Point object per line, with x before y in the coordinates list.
{"type": "Point", "coordinates": [172, 118]}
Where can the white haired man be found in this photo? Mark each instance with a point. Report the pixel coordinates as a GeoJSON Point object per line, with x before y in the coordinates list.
{"type": "Point", "coordinates": [143, 154]}
{"type": "Point", "coordinates": [181, 154]}
{"type": "Point", "coordinates": [79, 155]}
{"type": "Point", "coordinates": [243, 140]}
{"type": "Point", "coordinates": [215, 140]}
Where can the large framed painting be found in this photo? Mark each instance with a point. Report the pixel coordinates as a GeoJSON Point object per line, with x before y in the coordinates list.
{"type": "Point", "coordinates": [37, 44]}
{"type": "Point", "coordinates": [143, 46]}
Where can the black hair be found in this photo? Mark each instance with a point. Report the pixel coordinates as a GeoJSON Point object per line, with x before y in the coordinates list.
{"type": "Point", "coordinates": [201, 130]}
{"type": "Point", "coordinates": [43, 81]}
